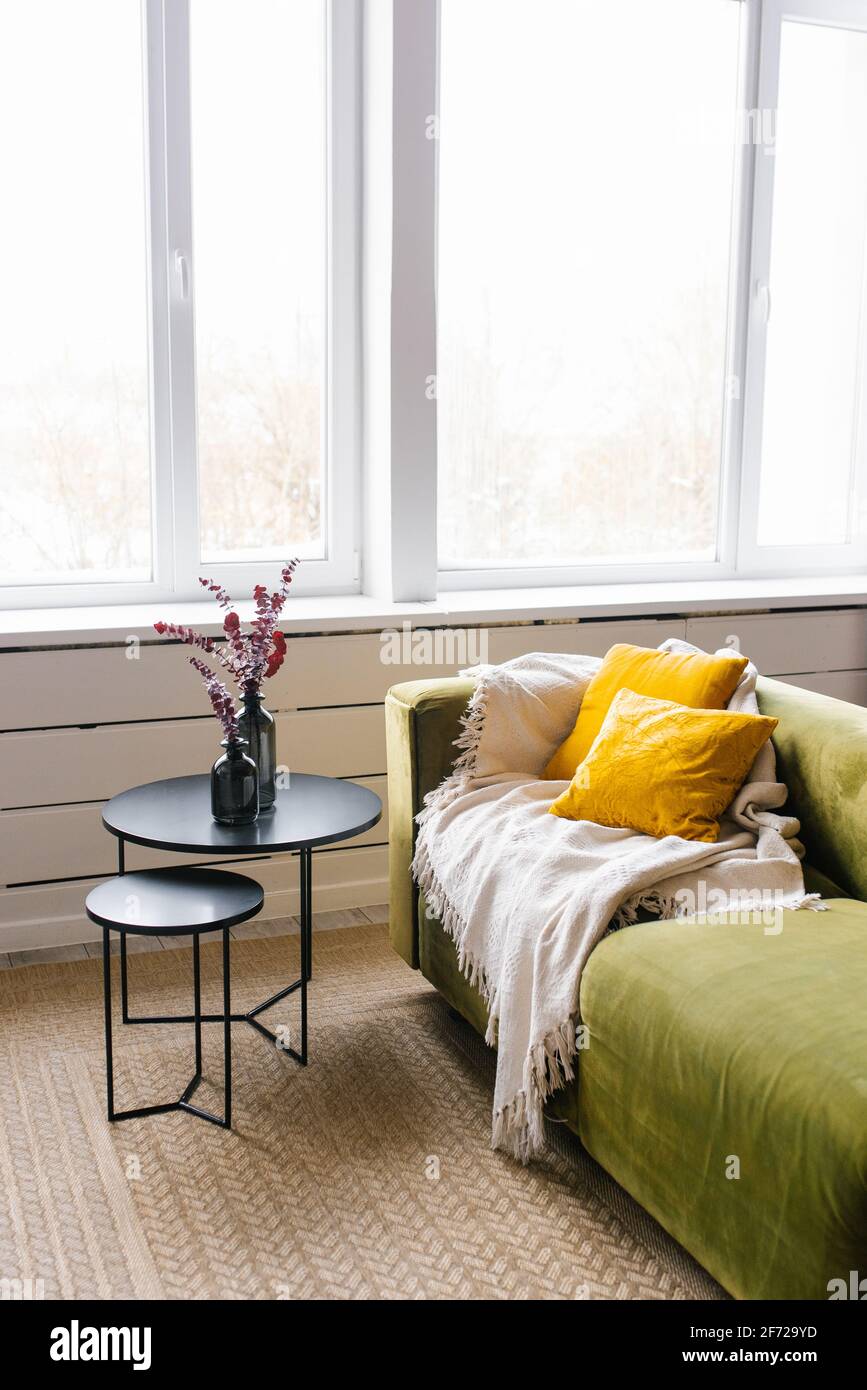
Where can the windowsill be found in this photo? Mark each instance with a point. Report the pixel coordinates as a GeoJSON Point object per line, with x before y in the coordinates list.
{"type": "Point", "coordinates": [52, 627]}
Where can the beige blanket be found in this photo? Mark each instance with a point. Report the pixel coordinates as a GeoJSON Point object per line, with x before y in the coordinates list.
{"type": "Point", "coordinates": [526, 896]}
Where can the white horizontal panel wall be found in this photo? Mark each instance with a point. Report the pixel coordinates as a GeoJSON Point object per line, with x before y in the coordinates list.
{"type": "Point", "coordinates": [360, 668]}
{"type": "Point", "coordinates": [52, 916]}
{"type": "Point", "coordinates": [47, 689]}
{"type": "Point", "coordinates": [50, 766]}
{"type": "Point", "coordinates": [788, 643]}
{"type": "Point", "coordinates": [72, 842]}
{"type": "Point", "coordinates": [108, 685]}
{"type": "Point", "coordinates": [56, 688]}
{"type": "Point", "coordinates": [841, 685]}
{"type": "Point", "coordinates": [588, 638]}
{"type": "Point", "coordinates": [50, 689]}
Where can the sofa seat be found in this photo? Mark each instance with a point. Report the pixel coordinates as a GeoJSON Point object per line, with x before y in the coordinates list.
{"type": "Point", "coordinates": [706, 1046]}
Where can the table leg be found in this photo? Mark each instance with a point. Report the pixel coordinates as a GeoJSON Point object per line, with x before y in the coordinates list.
{"type": "Point", "coordinates": [306, 934]}
{"type": "Point", "coordinates": [307, 855]}
{"type": "Point", "coordinates": [227, 1032]}
{"type": "Point", "coordinates": [197, 1002]}
{"type": "Point", "coordinates": [224, 1122]}
{"type": "Point", "coordinates": [124, 978]}
{"type": "Point", "coordinates": [124, 982]}
{"type": "Point", "coordinates": [106, 990]}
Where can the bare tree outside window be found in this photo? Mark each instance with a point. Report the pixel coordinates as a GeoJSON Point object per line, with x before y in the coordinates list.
{"type": "Point", "coordinates": [259, 237]}
{"type": "Point", "coordinates": [585, 198]}
{"type": "Point", "coordinates": [74, 436]}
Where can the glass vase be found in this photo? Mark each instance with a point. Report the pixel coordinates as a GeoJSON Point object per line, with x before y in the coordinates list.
{"type": "Point", "coordinates": [234, 786]}
{"type": "Point", "coordinates": [257, 726]}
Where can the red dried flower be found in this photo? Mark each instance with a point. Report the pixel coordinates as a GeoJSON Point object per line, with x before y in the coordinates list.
{"type": "Point", "coordinates": [249, 657]}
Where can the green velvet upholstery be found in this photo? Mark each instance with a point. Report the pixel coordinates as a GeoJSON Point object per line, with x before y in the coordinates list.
{"type": "Point", "coordinates": [422, 721]}
{"type": "Point", "coordinates": [822, 757]}
{"type": "Point", "coordinates": [708, 1043]}
{"type": "Point", "coordinates": [713, 1042]}
{"type": "Point", "coordinates": [439, 964]}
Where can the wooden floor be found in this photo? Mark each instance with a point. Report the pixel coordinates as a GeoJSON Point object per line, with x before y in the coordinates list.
{"type": "Point", "coordinates": [279, 926]}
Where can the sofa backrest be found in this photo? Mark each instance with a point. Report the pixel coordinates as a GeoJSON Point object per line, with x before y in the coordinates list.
{"type": "Point", "coordinates": [821, 748]}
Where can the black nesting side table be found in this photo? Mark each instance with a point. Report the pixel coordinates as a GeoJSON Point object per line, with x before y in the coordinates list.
{"type": "Point", "coordinates": [160, 902]}
{"type": "Point", "coordinates": [175, 815]}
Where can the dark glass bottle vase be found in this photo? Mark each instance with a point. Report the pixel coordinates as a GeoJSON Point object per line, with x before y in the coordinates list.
{"type": "Point", "coordinates": [234, 786]}
{"type": "Point", "coordinates": [257, 726]}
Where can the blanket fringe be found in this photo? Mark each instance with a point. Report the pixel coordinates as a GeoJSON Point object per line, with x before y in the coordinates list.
{"type": "Point", "coordinates": [667, 907]}
{"type": "Point", "coordinates": [518, 1128]}
{"type": "Point", "coordinates": [472, 723]}
{"type": "Point", "coordinates": [648, 900]}
{"type": "Point", "coordinates": [454, 925]}
{"type": "Point", "coordinates": [810, 902]}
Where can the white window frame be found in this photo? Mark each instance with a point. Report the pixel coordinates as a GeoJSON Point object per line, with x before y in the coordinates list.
{"type": "Point", "coordinates": [171, 298]}
{"type": "Point", "coordinates": [781, 560]}
{"type": "Point", "coordinates": [737, 554]}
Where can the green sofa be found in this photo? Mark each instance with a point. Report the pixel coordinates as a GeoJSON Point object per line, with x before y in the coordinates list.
{"type": "Point", "coordinates": [725, 1080]}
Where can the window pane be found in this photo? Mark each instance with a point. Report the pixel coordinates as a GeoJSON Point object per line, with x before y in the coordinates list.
{"type": "Point", "coordinates": [812, 448]}
{"type": "Point", "coordinates": [74, 446]}
{"type": "Point", "coordinates": [586, 167]}
{"type": "Point", "coordinates": [259, 167]}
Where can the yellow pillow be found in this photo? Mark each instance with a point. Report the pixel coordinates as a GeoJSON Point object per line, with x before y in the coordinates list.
{"type": "Point", "coordinates": [664, 769]}
{"type": "Point", "coordinates": [697, 680]}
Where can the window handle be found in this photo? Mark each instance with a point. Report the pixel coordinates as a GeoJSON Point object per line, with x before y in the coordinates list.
{"type": "Point", "coordinates": [763, 299]}
{"type": "Point", "coordinates": [182, 271]}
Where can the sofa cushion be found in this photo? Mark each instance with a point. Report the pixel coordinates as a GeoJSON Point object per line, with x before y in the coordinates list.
{"type": "Point", "coordinates": [695, 679]}
{"type": "Point", "coordinates": [716, 1050]}
{"type": "Point", "coordinates": [664, 769]}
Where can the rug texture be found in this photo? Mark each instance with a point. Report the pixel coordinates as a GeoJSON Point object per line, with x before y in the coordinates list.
{"type": "Point", "coordinates": [367, 1175]}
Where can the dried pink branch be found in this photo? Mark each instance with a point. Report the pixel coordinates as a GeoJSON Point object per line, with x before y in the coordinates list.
{"type": "Point", "coordinates": [220, 697]}
{"type": "Point", "coordinates": [249, 657]}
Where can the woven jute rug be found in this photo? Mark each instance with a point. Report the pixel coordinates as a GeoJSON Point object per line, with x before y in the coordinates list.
{"type": "Point", "coordinates": [367, 1175]}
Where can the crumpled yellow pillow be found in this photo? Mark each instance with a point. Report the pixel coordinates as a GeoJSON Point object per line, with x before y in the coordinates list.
{"type": "Point", "coordinates": [663, 769]}
{"type": "Point", "coordinates": [696, 679]}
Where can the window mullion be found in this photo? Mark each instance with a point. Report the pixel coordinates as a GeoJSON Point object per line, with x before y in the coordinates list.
{"type": "Point", "coordinates": [342, 417]}
{"type": "Point", "coordinates": [756, 320]}
{"type": "Point", "coordinates": [157, 272]}
{"type": "Point", "coordinates": [413, 480]}
{"type": "Point", "coordinates": [740, 297]}
{"type": "Point", "coordinates": [180, 288]}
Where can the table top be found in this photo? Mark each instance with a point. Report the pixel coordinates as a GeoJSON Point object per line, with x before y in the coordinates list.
{"type": "Point", "coordinates": [174, 901]}
{"type": "Point", "coordinates": [176, 815]}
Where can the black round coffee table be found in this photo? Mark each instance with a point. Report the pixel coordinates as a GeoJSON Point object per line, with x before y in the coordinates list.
{"type": "Point", "coordinates": [308, 812]}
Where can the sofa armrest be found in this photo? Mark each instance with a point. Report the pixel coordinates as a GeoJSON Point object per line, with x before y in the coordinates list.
{"type": "Point", "coordinates": [422, 721]}
{"type": "Point", "coordinates": [821, 746]}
